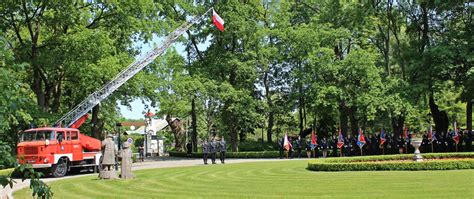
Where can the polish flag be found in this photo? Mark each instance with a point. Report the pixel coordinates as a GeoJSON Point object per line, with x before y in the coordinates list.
{"type": "Point", "coordinates": [286, 143]}
{"type": "Point", "coordinates": [218, 21]}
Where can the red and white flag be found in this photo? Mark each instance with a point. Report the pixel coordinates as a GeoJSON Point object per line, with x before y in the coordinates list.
{"type": "Point", "coordinates": [286, 143]}
{"type": "Point", "coordinates": [218, 21]}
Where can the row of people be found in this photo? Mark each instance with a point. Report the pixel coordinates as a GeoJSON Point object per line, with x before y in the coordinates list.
{"type": "Point", "coordinates": [213, 147]}
{"type": "Point", "coordinates": [443, 142]}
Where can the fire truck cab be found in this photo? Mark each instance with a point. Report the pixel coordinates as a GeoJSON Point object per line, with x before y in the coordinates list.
{"type": "Point", "coordinates": [58, 150]}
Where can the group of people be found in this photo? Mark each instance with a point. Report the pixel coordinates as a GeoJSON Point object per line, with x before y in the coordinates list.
{"type": "Point", "coordinates": [375, 144]}
{"type": "Point", "coordinates": [212, 148]}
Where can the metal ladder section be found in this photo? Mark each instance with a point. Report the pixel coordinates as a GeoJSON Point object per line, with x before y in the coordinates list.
{"type": "Point", "coordinates": [95, 98]}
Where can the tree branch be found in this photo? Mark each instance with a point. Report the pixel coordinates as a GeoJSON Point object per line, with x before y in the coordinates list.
{"type": "Point", "coordinates": [95, 20]}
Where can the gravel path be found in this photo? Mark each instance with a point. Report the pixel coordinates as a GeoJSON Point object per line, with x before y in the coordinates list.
{"type": "Point", "coordinates": [166, 162]}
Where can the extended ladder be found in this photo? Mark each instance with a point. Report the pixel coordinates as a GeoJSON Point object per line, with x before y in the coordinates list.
{"type": "Point", "coordinates": [95, 98]}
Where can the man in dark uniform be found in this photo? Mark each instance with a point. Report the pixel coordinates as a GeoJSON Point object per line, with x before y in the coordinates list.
{"type": "Point", "coordinates": [348, 145]}
{"type": "Point", "coordinates": [213, 150]}
{"type": "Point", "coordinates": [299, 146]}
{"type": "Point", "coordinates": [324, 145]}
{"type": "Point", "coordinates": [450, 141]}
{"type": "Point", "coordinates": [280, 147]}
{"type": "Point", "coordinates": [189, 149]}
{"type": "Point", "coordinates": [334, 146]}
{"type": "Point", "coordinates": [205, 151]}
{"type": "Point", "coordinates": [468, 140]}
{"type": "Point", "coordinates": [308, 148]}
{"type": "Point", "coordinates": [222, 149]}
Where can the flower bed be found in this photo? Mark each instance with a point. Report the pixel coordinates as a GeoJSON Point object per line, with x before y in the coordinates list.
{"type": "Point", "coordinates": [435, 161]}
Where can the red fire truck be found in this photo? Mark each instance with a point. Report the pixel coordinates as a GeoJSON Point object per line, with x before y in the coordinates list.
{"type": "Point", "coordinates": [59, 150]}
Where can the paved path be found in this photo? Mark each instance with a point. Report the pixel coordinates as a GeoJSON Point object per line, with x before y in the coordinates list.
{"type": "Point", "coordinates": [166, 162]}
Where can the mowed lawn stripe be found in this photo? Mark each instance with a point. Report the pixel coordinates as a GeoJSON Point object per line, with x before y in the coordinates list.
{"type": "Point", "coordinates": [279, 179]}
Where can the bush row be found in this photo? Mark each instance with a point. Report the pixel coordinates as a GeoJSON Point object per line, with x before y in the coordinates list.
{"type": "Point", "coordinates": [376, 166]}
{"type": "Point", "coordinates": [248, 154]}
{"type": "Point", "coordinates": [400, 157]}
{"type": "Point", "coordinates": [373, 163]}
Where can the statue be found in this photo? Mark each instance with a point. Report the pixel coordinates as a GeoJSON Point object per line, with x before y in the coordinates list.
{"type": "Point", "coordinates": [126, 155]}
{"type": "Point", "coordinates": [109, 151]}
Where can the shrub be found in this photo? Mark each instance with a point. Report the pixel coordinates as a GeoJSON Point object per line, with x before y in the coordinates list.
{"type": "Point", "coordinates": [250, 146]}
{"type": "Point", "coordinates": [248, 154]}
{"type": "Point", "coordinates": [6, 160]}
{"type": "Point", "coordinates": [389, 162]}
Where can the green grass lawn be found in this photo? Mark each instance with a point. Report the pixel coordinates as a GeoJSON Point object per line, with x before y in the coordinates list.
{"type": "Point", "coordinates": [280, 179]}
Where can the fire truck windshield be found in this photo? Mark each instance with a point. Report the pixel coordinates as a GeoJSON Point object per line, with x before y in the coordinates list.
{"type": "Point", "coordinates": [37, 136]}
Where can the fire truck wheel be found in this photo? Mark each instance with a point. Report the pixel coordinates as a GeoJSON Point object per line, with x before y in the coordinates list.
{"type": "Point", "coordinates": [60, 169]}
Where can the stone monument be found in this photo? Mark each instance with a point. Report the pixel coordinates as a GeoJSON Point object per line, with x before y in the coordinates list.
{"type": "Point", "coordinates": [416, 142]}
{"type": "Point", "coordinates": [109, 151]}
{"type": "Point", "coordinates": [126, 155]}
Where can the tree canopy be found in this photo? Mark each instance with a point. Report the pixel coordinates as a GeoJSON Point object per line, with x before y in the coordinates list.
{"type": "Point", "coordinates": [279, 66]}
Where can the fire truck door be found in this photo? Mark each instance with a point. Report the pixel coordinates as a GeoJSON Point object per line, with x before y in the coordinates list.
{"type": "Point", "coordinates": [76, 146]}
{"type": "Point", "coordinates": [65, 146]}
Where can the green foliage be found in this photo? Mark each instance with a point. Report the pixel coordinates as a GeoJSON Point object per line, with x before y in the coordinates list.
{"type": "Point", "coordinates": [249, 145]}
{"type": "Point", "coordinates": [435, 161]}
{"type": "Point", "coordinates": [7, 160]}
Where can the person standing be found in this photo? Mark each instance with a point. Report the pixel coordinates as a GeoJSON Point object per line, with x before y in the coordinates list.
{"type": "Point", "coordinates": [299, 147]}
{"type": "Point", "coordinates": [324, 145]}
{"type": "Point", "coordinates": [334, 146]}
{"type": "Point", "coordinates": [205, 151]}
{"type": "Point", "coordinates": [140, 153]}
{"type": "Point", "coordinates": [308, 148]}
{"type": "Point", "coordinates": [348, 145]}
{"type": "Point", "coordinates": [223, 149]}
{"type": "Point", "coordinates": [213, 150]}
{"type": "Point", "coordinates": [280, 147]}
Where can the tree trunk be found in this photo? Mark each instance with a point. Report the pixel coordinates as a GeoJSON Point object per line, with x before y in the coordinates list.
{"type": "Point", "coordinates": [301, 105]}
{"type": "Point", "coordinates": [397, 125]}
{"type": "Point", "coordinates": [233, 138]}
{"type": "Point", "coordinates": [242, 136]}
{"type": "Point", "coordinates": [37, 88]}
{"type": "Point", "coordinates": [270, 107]}
{"type": "Point", "coordinates": [178, 132]}
{"type": "Point", "coordinates": [271, 119]}
{"type": "Point", "coordinates": [194, 125]}
{"type": "Point", "coordinates": [343, 118]}
{"type": "Point", "coordinates": [469, 115]}
{"type": "Point", "coordinates": [440, 118]}
{"type": "Point", "coordinates": [354, 123]}
{"type": "Point", "coordinates": [95, 122]}
{"type": "Point", "coordinates": [57, 92]}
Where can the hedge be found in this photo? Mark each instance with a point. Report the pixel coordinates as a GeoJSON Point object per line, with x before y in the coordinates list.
{"type": "Point", "coordinates": [374, 163]}
{"type": "Point", "coordinates": [248, 154]}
